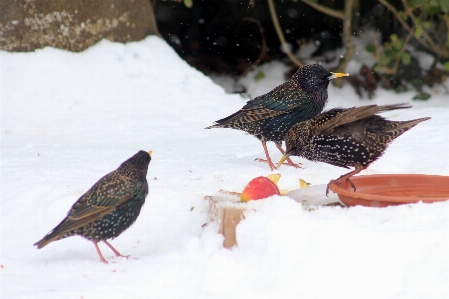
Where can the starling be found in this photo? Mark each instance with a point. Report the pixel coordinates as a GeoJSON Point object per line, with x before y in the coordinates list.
{"type": "Point", "coordinates": [268, 117]}
{"type": "Point", "coordinates": [353, 137]}
{"type": "Point", "coordinates": [109, 207]}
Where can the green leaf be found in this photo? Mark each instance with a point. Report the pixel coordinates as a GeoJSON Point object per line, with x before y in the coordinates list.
{"type": "Point", "coordinates": [423, 96]}
{"type": "Point", "coordinates": [432, 10]}
{"type": "Point", "coordinates": [401, 88]}
{"type": "Point", "coordinates": [390, 54]}
{"type": "Point", "coordinates": [446, 66]}
{"type": "Point", "coordinates": [444, 5]}
{"type": "Point", "coordinates": [414, 3]}
{"type": "Point", "coordinates": [259, 76]}
{"type": "Point", "coordinates": [418, 31]}
{"type": "Point", "coordinates": [386, 60]}
{"type": "Point", "coordinates": [417, 84]}
{"type": "Point", "coordinates": [406, 59]}
{"type": "Point", "coordinates": [188, 3]}
{"type": "Point", "coordinates": [370, 49]}
{"type": "Point", "coordinates": [398, 44]}
{"type": "Point", "coordinates": [426, 24]}
{"type": "Point", "coordinates": [394, 38]}
{"type": "Point", "coordinates": [403, 15]}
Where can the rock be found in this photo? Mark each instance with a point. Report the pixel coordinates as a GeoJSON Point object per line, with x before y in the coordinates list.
{"type": "Point", "coordinates": [26, 25]}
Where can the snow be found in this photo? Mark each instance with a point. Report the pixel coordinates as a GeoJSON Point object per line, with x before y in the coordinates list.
{"type": "Point", "coordinates": [67, 119]}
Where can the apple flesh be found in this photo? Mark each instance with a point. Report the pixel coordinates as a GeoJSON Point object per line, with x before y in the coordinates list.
{"type": "Point", "coordinates": [258, 188]}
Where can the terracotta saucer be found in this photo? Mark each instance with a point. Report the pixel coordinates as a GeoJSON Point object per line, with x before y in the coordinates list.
{"type": "Point", "coordinates": [383, 190]}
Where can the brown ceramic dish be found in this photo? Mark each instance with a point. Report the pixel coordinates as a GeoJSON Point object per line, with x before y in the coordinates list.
{"type": "Point", "coordinates": [383, 190]}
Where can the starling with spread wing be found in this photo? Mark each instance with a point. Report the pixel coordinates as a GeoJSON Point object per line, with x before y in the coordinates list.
{"type": "Point", "coordinates": [354, 137]}
{"type": "Point", "coordinates": [268, 117]}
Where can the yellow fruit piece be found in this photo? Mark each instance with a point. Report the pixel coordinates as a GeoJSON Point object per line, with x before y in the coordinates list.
{"type": "Point", "coordinates": [303, 184]}
{"type": "Point", "coordinates": [284, 191]}
{"type": "Point", "coordinates": [274, 177]}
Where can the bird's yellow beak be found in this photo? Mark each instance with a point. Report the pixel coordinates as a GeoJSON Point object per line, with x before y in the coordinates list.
{"type": "Point", "coordinates": [337, 75]}
{"type": "Point", "coordinates": [284, 157]}
{"type": "Point", "coordinates": [150, 152]}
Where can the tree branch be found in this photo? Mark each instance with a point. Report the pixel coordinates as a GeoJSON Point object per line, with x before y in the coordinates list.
{"type": "Point", "coordinates": [409, 12]}
{"type": "Point", "coordinates": [263, 50]}
{"type": "Point", "coordinates": [441, 51]}
{"type": "Point", "coordinates": [326, 10]}
{"type": "Point", "coordinates": [285, 46]}
{"type": "Point", "coordinates": [347, 40]}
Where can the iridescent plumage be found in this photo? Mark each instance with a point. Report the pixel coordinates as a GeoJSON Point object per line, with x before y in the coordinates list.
{"type": "Point", "coordinates": [353, 137]}
{"type": "Point", "coordinates": [268, 117]}
{"type": "Point", "coordinates": [109, 207]}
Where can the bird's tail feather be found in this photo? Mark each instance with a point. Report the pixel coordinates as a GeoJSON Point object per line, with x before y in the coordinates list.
{"type": "Point", "coordinates": [47, 240]}
{"type": "Point", "coordinates": [224, 122]}
{"type": "Point", "coordinates": [404, 126]}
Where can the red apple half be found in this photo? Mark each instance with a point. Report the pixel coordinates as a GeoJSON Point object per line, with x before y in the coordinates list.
{"type": "Point", "coordinates": [258, 188]}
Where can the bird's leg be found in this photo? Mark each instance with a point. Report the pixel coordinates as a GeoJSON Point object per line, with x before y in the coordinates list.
{"type": "Point", "coordinates": [289, 161]}
{"type": "Point", "coordinates": [270, 163]}
{"type": "Point", "coordinates": [114, 250]}
{"type": "Point", "coordinates": [346, 176]}
{"type": "Point", "coordinates": [99, 253]}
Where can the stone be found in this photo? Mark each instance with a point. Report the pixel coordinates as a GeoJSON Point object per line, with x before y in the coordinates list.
{"type": "Point", "coordinates": [26, 25]}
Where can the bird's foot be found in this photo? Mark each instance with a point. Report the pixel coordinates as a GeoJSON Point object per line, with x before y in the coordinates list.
{"type": "Point", "coordinates": [288, 163]}
{"type": "Point", "coordinates": [270, 164]}
{"type": "Point", "coordinates": [291, 163]}
{"type": "Point", "coordinates": [115, 250]}
{"type": "Point", "coordinates": [338, 182]}
{"type": "Point", "coordinates": [125, 256]}
{"type": "Point", "coordinates": [327, 187]}
{"type": "Point", "coordinates": [103, 260]}
{"type": "Point", "coordinates": [352, 185]}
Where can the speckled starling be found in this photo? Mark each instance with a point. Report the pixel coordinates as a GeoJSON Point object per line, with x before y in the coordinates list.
{"type": "Point", "coordinates": [268, 117]}
{"type": "Point", "coordinates": [353, 137]}
{"type": "Point", "coordinates": [109, 207]}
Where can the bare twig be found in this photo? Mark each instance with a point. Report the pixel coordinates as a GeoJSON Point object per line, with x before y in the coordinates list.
{"type": "Point", "coordinates": [346, 17]}
{"type": "Point", "coordinates": [440, 51]}
{"type": "Point", "coordinates": [396, 63]}
{"type": "Point", "coordinates": [390, 70]}
{"type": "Point", "coordinates": [326, 10]}
{"type": "Point", "coordinates": [263, 50]}
{"type": "Point", "coordinates": [285, 46]}
{"type": "Point", "coordinates": [347, 37]}
{"type": "Point", "coordinates": [409, 12]}
{"type": "Point", "coordinates": [376, 46]}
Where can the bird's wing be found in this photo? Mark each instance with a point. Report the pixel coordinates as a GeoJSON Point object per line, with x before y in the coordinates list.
{"type": "Point", "coordinates": [329, 120]}
{"type": "Point", "coordinates": [338, 116]}
{"type": "Point", "coordinates": [109, 192]}
{"type": "Point", "coordinates": [281, 100]}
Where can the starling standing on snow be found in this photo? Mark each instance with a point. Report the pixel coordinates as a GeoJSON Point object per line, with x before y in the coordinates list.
{"type": "Point", "coordinates": [268, 117]}
{"type": "Point", "coordinates": [109, 207]}
{"type": "Point", "coordinates": [353, 137]}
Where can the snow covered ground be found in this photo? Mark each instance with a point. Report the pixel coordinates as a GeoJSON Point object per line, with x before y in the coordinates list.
{"type": "Point", "coordinates": [67, 119]}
